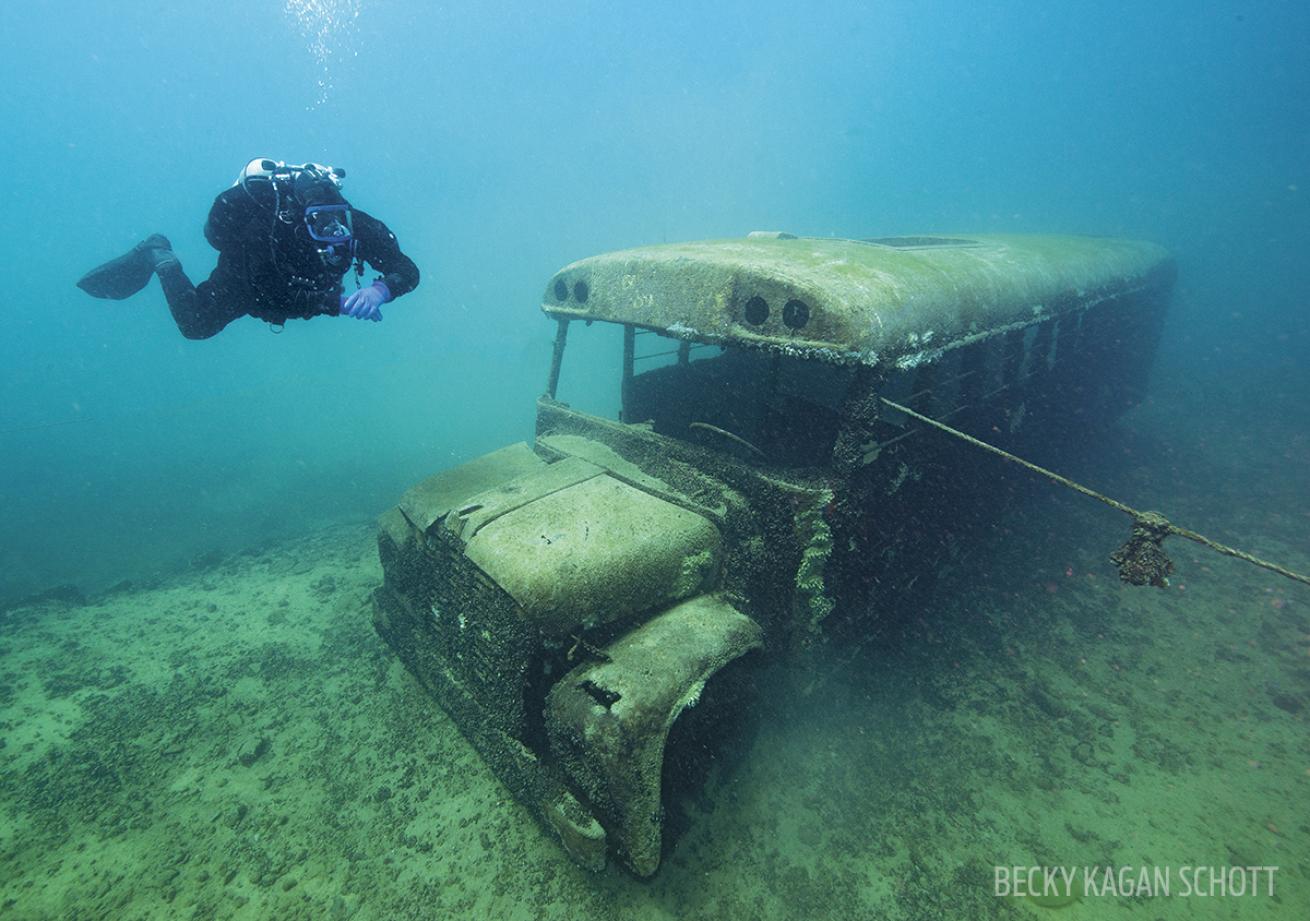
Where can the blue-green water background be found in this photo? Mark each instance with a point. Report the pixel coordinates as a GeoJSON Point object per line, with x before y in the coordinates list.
{"type": "Point", "coordinates": [501, 141]}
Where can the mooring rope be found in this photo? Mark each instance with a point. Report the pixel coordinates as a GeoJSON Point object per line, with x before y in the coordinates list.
{"type": "Point", "coordinates": [1140, 560]}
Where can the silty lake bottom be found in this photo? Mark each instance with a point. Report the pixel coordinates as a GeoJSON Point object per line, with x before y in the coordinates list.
{"type": "Point", "coordinates": [232, 740]}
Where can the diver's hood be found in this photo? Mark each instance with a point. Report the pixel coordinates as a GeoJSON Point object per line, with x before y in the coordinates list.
{"type": "Point", "coordinates": [312, 187]}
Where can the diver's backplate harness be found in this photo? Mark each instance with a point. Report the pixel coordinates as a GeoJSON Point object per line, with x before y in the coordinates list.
{"type": "Point", "coordinates": [329, 226]}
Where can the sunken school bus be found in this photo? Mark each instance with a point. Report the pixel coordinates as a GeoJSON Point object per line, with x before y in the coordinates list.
{"type": "Point", "coordinates": [585, 606]}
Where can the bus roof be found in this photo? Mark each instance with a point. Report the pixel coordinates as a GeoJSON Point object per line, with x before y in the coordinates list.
{"type": "Point", "coordinates": [892, 300]}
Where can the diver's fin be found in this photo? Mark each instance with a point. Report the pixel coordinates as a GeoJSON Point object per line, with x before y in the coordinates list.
{"type": "Point", "coordinates": [122, 277]}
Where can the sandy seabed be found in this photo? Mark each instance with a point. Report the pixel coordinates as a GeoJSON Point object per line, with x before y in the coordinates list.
{"type": "Point", "coordinates": [234, 741]}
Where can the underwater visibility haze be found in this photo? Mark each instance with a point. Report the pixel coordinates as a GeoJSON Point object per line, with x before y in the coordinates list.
{"type": "Point", "coordinates": [199, 717]}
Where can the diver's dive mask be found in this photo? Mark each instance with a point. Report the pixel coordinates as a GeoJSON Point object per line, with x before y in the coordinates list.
{"type": "Point", "coordinates": [331, 227]}
{"type": "Point", "coordinates": [329, 223]}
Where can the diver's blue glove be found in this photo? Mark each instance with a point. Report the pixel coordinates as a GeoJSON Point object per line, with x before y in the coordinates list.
{"type": "Point", "coordinates": [366, 303]}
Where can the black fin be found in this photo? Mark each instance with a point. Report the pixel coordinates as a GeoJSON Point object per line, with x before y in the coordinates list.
{"type": "Point", "coordinates": [122, 277]}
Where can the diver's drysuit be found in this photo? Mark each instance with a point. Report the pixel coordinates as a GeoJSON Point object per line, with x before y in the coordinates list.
{"type": "Point", "coordinates": [285, 239]}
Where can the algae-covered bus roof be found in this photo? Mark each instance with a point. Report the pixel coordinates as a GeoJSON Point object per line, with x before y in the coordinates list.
{"type": "Point", "coordinates": [895, 299]}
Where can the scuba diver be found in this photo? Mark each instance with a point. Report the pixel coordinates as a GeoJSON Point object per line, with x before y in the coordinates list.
{"type": "Point", "coordinates": [285, 238]}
